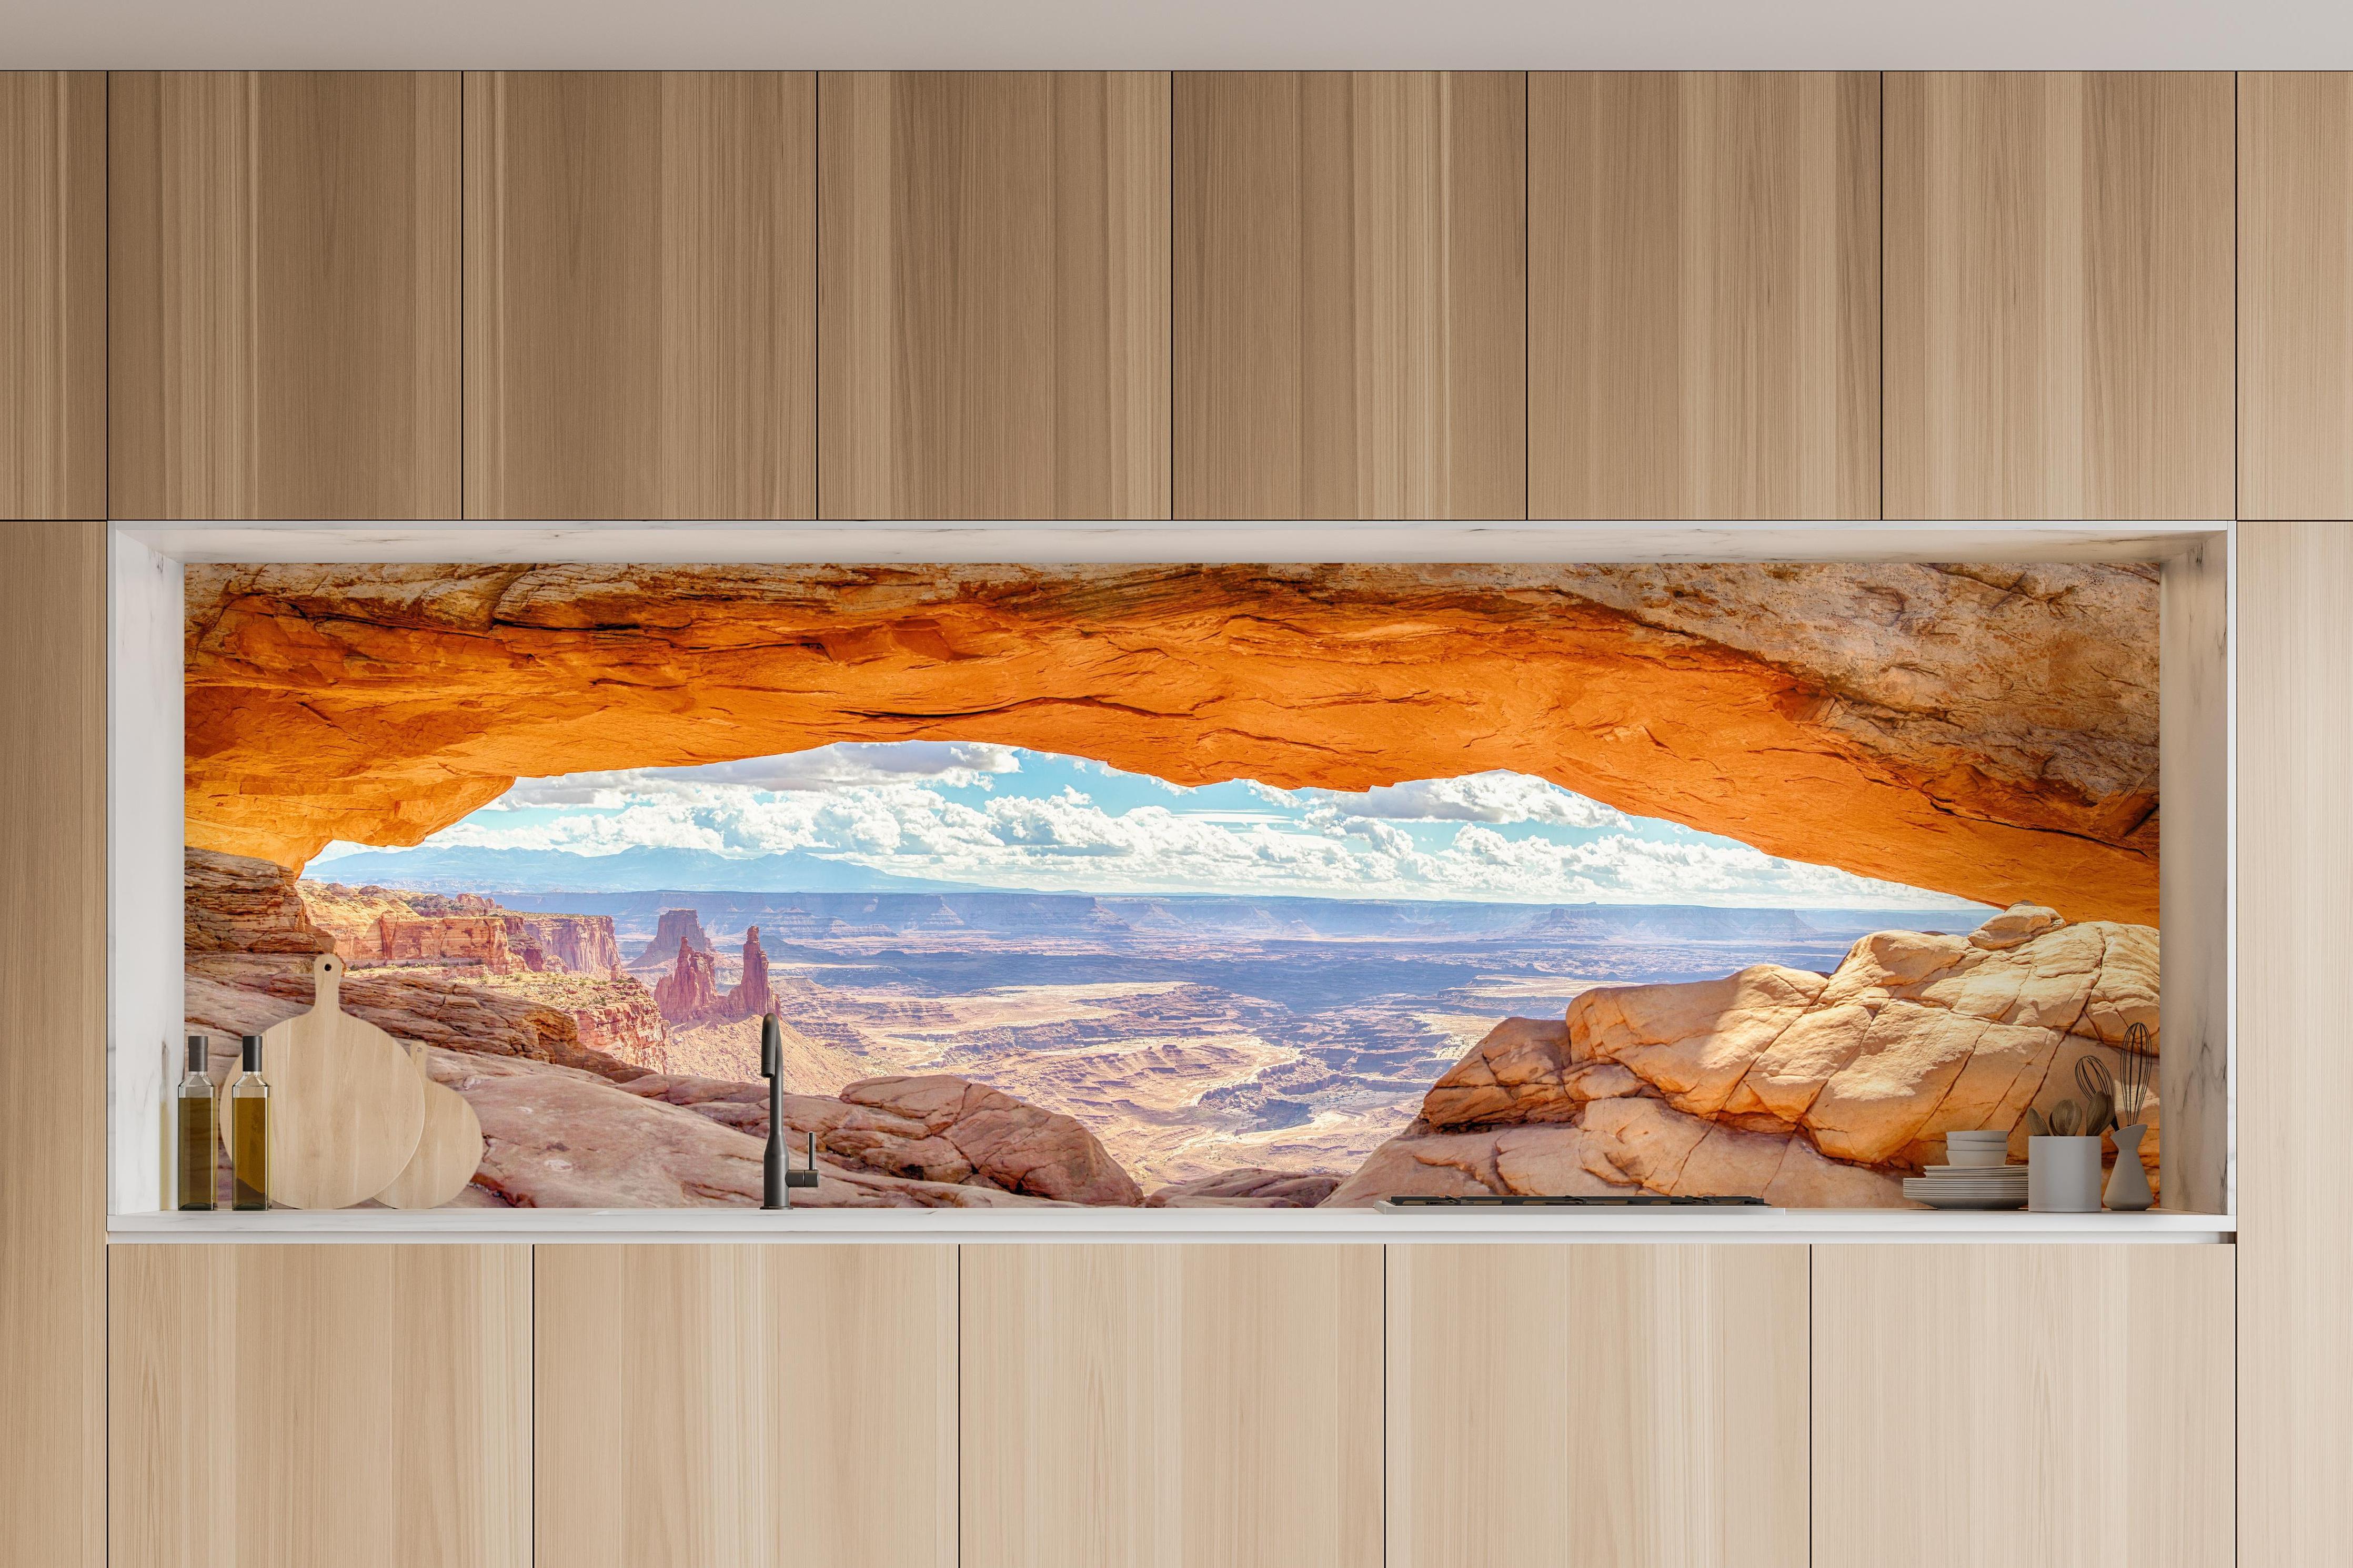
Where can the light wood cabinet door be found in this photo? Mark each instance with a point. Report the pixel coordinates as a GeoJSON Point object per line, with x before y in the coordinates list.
{"type": "Point", "coordinates": [1557, 1406]}
{"type": "Point", "coordinates": [2059, 294]}
{"type": "Point", "coordinates": [727, 1406]}
{"type": "Point", "coordinates": [1172, 1407]}
{"type": "Point", "coordinates": [1704, 294]}
{"type": "Point", "coordinates": [2022, 1407]}
{"type": "Point", "coordinates": [52, 294]}
{"type": "Point", "coordinates": [2296, 1069]}
{"type": "Point", "coordinates": [52, 1043]}
{"type": "Point", "coordinates": [2295, 294]}
{"type": "Point", "coordinates": [282, 294]}
{"type": "Point", "coordinates": [1351, 294]}
{"type": "Point", "coordinates": [279, 1406]}
{"type": "Point", "coordinates": [641, 294]}
{"type": "Point", "coordinates": [994, 294]}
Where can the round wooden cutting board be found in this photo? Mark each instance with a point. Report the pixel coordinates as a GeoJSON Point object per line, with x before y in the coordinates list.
{"type": "Point", "coordinates": [346, 1106]}
{"type": "Point", "coordinates": [447, 1155]}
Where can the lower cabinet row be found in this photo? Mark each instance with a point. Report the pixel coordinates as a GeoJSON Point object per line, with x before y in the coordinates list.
{"type": "Point", "coordinates": [1170, 1406]}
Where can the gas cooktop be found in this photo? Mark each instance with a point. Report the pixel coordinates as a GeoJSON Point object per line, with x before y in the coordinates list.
{"type": "Point", "coordinates": [1629, 1200]}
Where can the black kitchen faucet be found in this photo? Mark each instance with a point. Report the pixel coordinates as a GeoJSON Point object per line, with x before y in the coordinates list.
{"type": "Point", "coordinates": [778, 1177]}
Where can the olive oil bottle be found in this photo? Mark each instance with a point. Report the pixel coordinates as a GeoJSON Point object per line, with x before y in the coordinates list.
{"type": "Point", "coordinates": [249, 1113]}
{"type": "Point", "coordinates": [198, 1135]}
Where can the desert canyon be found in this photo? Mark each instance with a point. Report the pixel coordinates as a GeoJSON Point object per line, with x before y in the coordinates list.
{"type": "Point", "coordinates": [1989, 733]}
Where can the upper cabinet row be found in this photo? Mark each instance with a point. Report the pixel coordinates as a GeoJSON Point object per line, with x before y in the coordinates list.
{"type": "Point", "coordinates": [1110, 295]}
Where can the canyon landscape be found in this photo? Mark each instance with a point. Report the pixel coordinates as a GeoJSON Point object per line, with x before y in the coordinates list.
{"type": "Point", "coordinates": [1133, 969]}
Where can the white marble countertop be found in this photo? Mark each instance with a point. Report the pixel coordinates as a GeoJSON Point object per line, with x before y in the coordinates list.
{"type": "Point", "coordinates": [1187, 1224]}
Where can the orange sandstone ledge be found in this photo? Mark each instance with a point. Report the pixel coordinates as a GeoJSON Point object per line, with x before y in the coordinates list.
{"type": "Point", "coordinates": [1986, 731]}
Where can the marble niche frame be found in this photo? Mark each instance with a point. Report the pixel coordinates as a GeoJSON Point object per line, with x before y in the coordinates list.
{"type": "Point", "coordinates": [2198, 892]}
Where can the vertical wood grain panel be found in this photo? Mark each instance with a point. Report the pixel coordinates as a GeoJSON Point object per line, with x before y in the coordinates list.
{"type": "Point", "coordinates": [53, 1042]}
{"type": "Point", "coordinates": [2059, 294]}
{"type": "Point", "coordinates": [283, 294]}
{"type": "Point", "coordinates": [52, 294]}
{"type": "Point", "coordinates": [2295, 294]}
{"type": "Point", "coordinates": [1704, 294]}
{"type": "Point", "coordinates": [2295, 1053]}
{"type": "Point", "coordinates": [280, 1406]}
{"type": "Point", "coordinates": [1172, 1407]}
{"type": "Point", "coordinates": [994, 294]}
{"type": "Point", "coordinates": [1351, 332]}
{"type": "Point", "coordinates": [641, 294]}
{"type": "Point", "coordinates": [2194, 880]}
{"type": "Point", "coordinates": [1559, 1406]}
{"type": "Point", "coordinates": [2031, 1406]}
{"type": "Point", "coordinates": [746, 1404]}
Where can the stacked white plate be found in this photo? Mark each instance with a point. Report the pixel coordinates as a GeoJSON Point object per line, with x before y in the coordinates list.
{"type": "Point", "coordinates": [1979, 1177]}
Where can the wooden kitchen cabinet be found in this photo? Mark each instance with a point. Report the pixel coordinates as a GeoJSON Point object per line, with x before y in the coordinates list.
{"type": "Point", "coordinates": [1554, 1406]}
{"type": "Point", "coordinates": [53, 1018]}
{"type": "Point", "coordinates": [2059, 322]}
{"type": "Point", "coordinates": [746, 1404]}
{"type": "Point", "coordinates": [1704, 294]}
{"type": "Point", "coordinates": [641, 294]}
{"type": "Point", "coordinates": [2295, 294]}
{"type": "Point", "coordinates": [279, 1403]}
{"type": "Point", "coordinates": [2295, 866]}
{"type": "Point", "coordinates": [1351, 294]}
{"type": "Point", "coordinates": [53, 294]}
{"type": "Point", "coordinates": [994, 295]}
{"type": "Point", "coordinates": [282, 295]}
{"type": "Point", "coordinates": [1171, 1406]}
{"type": "Point", "coordinates": [2031, 1406]}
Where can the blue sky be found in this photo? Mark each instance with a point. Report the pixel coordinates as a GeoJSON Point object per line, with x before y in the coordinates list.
{"type": "Point", "coordinates": [1002, 816]}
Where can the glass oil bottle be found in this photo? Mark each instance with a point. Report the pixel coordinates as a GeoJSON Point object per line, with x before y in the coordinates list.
{"type": "Point", "coordinates": [248, 1111]}
{"type": "Point", "coordinates": [198, 1135]}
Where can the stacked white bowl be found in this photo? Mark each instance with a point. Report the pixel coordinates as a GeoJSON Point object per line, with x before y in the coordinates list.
{"type": "Point", "coordinates": [1979, 1175]}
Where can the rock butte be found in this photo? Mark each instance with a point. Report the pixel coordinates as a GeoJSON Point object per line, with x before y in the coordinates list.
{"type": "Point", "coordinates": [1805, 1089]}
{"type": "Point", "coordinates": [1986, 731]}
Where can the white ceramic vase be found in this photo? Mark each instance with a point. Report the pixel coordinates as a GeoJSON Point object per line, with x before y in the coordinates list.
{"type": "Point", "coordinates": [2128, 1183]}
{"type": "Point", "coordinates": [2062, 1176]}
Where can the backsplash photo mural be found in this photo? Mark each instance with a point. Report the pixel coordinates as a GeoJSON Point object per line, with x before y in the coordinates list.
{"type": "Point", "coordinates": [1174, 885]}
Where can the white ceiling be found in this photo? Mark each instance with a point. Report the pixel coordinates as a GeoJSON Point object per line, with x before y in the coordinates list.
{"type": "Point", "coordinates": [1183, 34]}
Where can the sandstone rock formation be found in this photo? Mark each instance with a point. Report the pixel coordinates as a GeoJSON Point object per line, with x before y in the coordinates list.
{"type": "Point", "coordinates": [689, 993]}
{"type": "Point", "coordinates": [245, 993]}
{"type": "Point", "coordinates": [556, 1138]}
{"type": "Point", "coordinates": [750, 997]}
{"type": "Point", "coordinates": [623, 1023]}
{"type": "Point", "coordinates": [584, 944]}
{"type": "Point", "coordinates": [675, 926]}
{"type": "Point", "coordinates": [447, 938]}
{"type": "Point", "coordinates": [1985, 731]}
{"type": "Point", "coordinates": [938, 1129]}
{"type": "Point", "coordinates": [1248, 1187]}
{"type": "Point", "coordinates": [234, 903]}
{"type": "Point", "coordinates": [1802, 1088]}
{"type": "Point", "coordinates": [230, 900]}
{"type": "Point", "coordinates": [382, 925]}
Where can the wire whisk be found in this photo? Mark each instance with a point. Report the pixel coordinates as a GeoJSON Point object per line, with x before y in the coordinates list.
{"type": "Point", "coordinates": [2136, 1074]}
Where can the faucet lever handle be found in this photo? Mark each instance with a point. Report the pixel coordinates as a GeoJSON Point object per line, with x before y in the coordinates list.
{"type": "Point", "coordinates": [803, 1178]}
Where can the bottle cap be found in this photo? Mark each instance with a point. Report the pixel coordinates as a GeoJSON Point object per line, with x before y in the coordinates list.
{"type": "Point", "coordinates": [200, 1053]}
{"type": "Point", "coordinates": [253, 1053]}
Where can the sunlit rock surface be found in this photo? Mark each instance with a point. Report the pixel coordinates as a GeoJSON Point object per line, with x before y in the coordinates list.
{"type": "Point", "coordinates": [1806, 1090]}
{"type": "Point", "coordinates": [1984, 732]}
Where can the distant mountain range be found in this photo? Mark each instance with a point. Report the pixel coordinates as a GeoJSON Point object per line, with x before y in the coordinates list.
{"type": "Point", "coordinates": [808, 896]}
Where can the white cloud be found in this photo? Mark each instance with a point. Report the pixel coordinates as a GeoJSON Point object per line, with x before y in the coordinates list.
{"type": "Point", "coordinates": [1305, 844]}
{"type": "Point", "coordinates": [1498, 797]}
{"type": "Point", "coordinates": [954, 764]}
